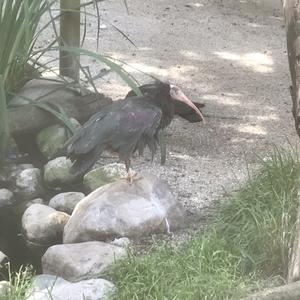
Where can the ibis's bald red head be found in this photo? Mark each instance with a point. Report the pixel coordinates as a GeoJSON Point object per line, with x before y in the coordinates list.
{"type": "Point", "coordinates": [177, 94]}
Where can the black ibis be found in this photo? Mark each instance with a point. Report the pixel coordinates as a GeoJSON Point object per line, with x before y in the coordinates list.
{"type": "Point", "coordinates": [126, 126]}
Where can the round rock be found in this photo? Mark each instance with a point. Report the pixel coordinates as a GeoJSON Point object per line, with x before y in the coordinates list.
{"type": "Point", "coordinates": [57, 172]}
{"type": "Point", "coordinates": [75, 262]}
{"type": "Point", "coordinates": [43, 225]}
{"type": "Point", "coordinates": [66, 202]}
{"type": "Point", "coordinates": [47, 287]}
{"type": "Point", "coordinates": [29, 184]}
{"type": "Point", "coordinates": [103, 175]}
{"type": "Point", "coordinates": [51, 139]}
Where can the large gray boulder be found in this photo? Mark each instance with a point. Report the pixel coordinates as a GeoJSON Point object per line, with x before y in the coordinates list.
{"type": "Point", "coordinates": [57, 172]}
{"type": "Point", "coordinates": [121, 209]}
{"type": "Point", "coordinates": [28, 184]}
{"type": "Point", "coordinates": [48, 287]}
{"type": "Point", "coordinates": [43, 225]}
{"type": "Point", "coordinates": [66, 202]}
{"type": "Point", "coordinates": [38, 89]}
{"type": "Point", "coordinates": [75, 262]}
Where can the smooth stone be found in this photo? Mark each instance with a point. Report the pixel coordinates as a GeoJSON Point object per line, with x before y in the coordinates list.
{"type": "Point", "coordinates": [28, 184]}
{"type": "Point", "coordinates": [128, 210]}
{"type": "Point", "coordinates": [43, 225]}
{"type": "Point", "coordinates": [51, 139]}
{"type": "Point", "coordinates": [57, 172]}
{"type": "Point", "coordinates": [48, 287]}
{"type": "Point", "coordinates": [66, 202]}
{"type": "Point", "coordinates": [103, 175]}
{"type": "Point", "coordinates": [42, 89]}
{"type": "Point", "coordinates": [75, 262]}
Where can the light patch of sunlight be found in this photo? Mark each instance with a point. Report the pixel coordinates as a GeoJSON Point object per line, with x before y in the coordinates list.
{"type": "Point", "coordinates": [241, 140]}
{"type": "Point", "coordinates": [145, 48]}
{"type": "Point", "coordinates": [270, 117]}
{"type": "Point", "coordinates": [258, 62]}
{"type": "Point", "coordinates": [252, 129]}
{"type": "Point", "coordinates": [197, 4]}
{"type": "Point", "coordinates": [180, 156]}
{"type": "Point", "coordinates": [173, 71]}
{"type": "Point", "coordinates": [53, 73]}
{"type": "Point", "coordinates": [115, 88]}
{"type": "Point", "coordinates": [232, 94]}
{"type": "Point", "coordinates": [225, 100]}
{"type": "Point", "coordinates": [191, 55]}
{"type": "Point", "coordinates": [176, 72]}
{"type": "Point", "coordinates": [254, 25]}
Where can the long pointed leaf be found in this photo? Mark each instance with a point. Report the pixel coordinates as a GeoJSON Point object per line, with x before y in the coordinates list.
{"type": "Point", "coordinates": [126, 77]}
{"type": "Point", "coordinates": [4, 130]}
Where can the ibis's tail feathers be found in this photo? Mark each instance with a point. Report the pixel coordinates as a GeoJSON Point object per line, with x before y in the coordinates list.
{"type": "Point", "coordinates": [84, 162]}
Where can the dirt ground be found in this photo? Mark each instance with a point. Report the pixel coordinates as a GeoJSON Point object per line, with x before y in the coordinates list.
{"type": "Point", "coordinates": [228, 54]}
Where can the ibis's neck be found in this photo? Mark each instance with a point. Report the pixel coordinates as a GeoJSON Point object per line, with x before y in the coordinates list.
{"type": "Point", "coordinates": [168, 109]}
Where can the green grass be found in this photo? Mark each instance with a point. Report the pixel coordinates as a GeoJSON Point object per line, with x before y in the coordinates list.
{"type": "Point", "coordinates": [20, 283]}
{"type": "Point", "coordinates": [244, 250]}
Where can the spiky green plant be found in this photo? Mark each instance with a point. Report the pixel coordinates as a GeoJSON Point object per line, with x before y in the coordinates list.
{"type": "Point", "coordinates": [18, 23]}
{"type": "Point", "coordinates": [4, 130]}
{"type": "Point", "coordinates": [19, 283]}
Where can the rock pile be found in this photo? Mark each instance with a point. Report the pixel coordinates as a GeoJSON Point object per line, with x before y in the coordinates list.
{"type": "Point", "coordinates": [76, 236]}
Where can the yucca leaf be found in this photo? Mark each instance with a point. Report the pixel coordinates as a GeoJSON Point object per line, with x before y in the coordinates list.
{"type": "Point", "coordinates": [4, 129]}
{"type": "Point", "coordinates": [18, 22]}
{"type": "Point", "coordinates": [125, 76]}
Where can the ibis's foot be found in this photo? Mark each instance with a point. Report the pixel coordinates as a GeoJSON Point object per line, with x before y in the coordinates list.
{"type": "Point", "coordinates": [131, 177]}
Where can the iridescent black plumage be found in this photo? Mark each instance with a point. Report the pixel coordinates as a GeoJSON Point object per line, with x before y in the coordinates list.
{"type": "Point", "coordinates": [124, 126]}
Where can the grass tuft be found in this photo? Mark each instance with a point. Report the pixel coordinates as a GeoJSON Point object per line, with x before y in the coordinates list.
{"type": "Point", "coordinates": [19, 283]}
{"type": "Point", "coordinates": [245, 249]}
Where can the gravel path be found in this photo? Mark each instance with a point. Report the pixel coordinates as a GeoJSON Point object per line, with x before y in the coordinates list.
{"type": "Point", "coordinates": [228, 54]}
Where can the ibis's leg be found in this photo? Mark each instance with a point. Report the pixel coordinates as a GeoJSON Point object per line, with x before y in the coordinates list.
{"type": "Point", "coordinates": [163, 148]}
{"type": "Point", "coordinates": [131, 175]}
{"type": "Point", "coordinates": [127, 165]}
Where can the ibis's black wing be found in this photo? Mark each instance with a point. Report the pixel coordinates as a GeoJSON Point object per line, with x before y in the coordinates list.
{"type": "Point", "coordinates": [123, 126]}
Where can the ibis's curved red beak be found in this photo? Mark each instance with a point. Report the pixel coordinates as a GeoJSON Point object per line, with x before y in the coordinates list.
{"type": "Point", "coordinates": [177, 94]}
